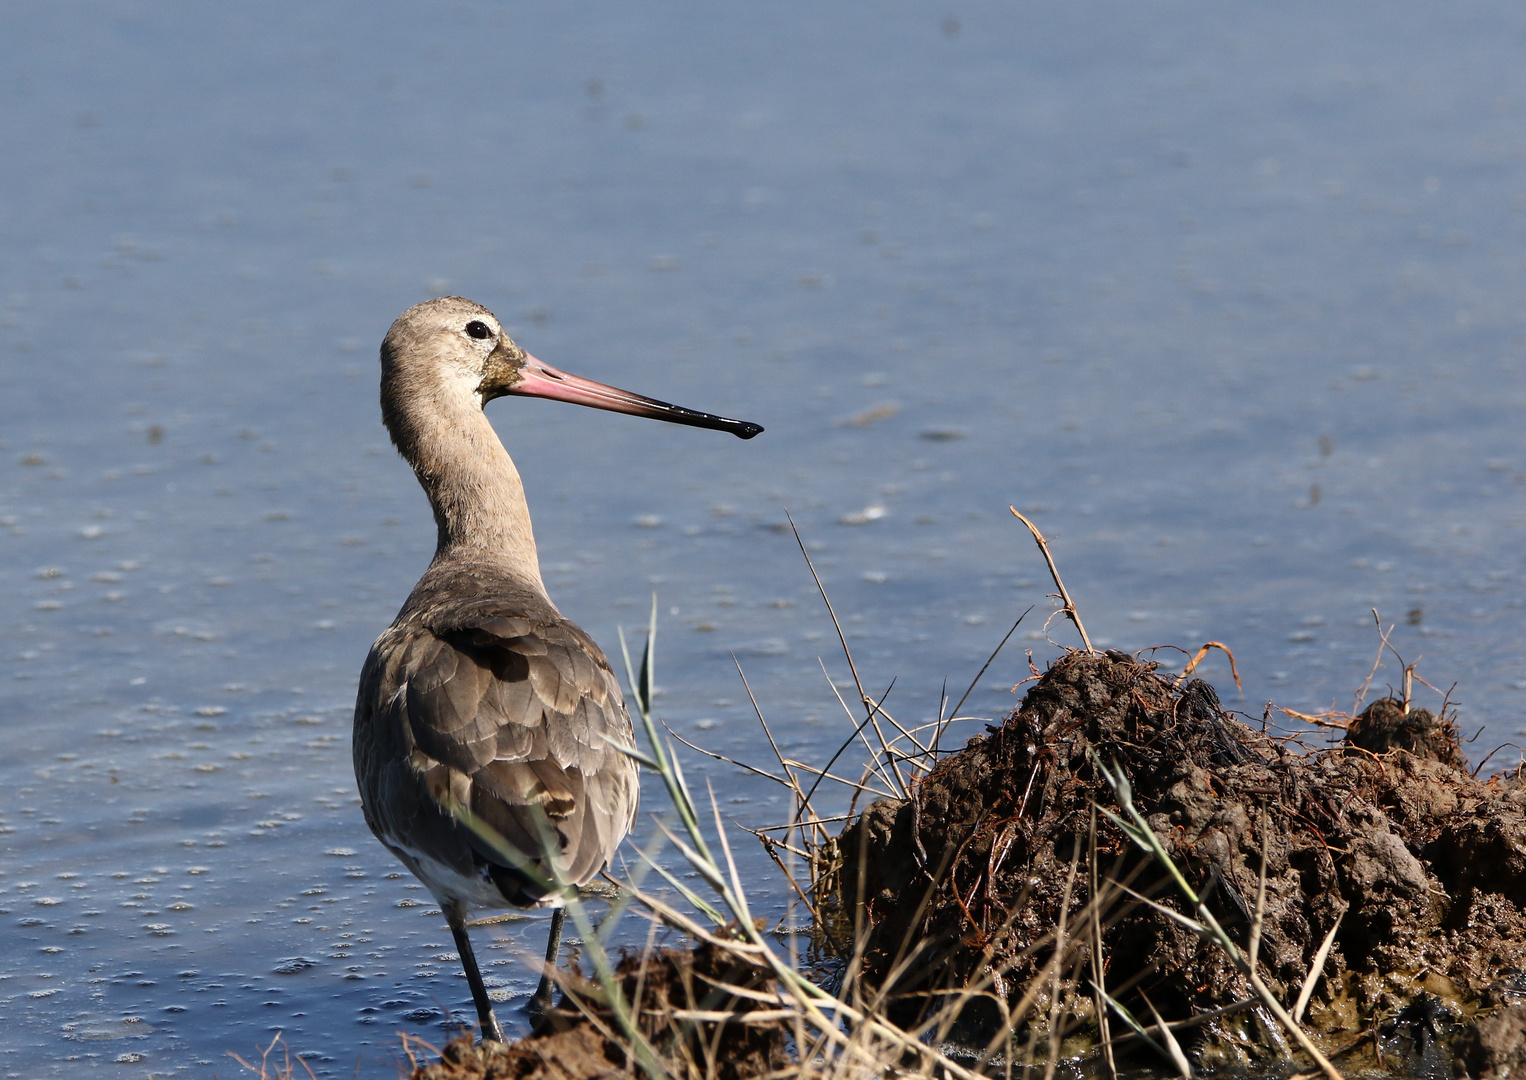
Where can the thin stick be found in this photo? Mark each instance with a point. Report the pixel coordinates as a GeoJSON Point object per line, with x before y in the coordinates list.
{"type": "Point", "coordinates": [772, 846]}
{"type": "Point", "coordinates": [797, 1022]}
{"type": "Point", "coordinates": [942, 705]}
{"type": "Point", "coordinates": [1258, 921]}
{"type": "Point", "coordinates": [1098, 967]}
{"type": "Point", "coordinates": [832, 761]}
{"type": "Point", "coordinates": [768, 775]}
{"type": "Point", "coordinates": [843, 640]}
{"type": "Point", "coordinates": [1491, 753]}
{"type": "Point", "coordinates": [814, 821]}
{"type": "Point", "coordinates": [1377, 662]}
{"type": "Point", "coordinates": [897, 781]}
{"type": "Point", "coordinates": [1070, 608]}
{"type": "Point", "coordinates": [976, 680]}
{"type": "Point", "coordinates": [758, 710]}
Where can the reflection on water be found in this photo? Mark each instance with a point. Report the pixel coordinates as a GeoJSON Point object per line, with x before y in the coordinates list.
{"type": "Point", "coordinates": [1228, 301]}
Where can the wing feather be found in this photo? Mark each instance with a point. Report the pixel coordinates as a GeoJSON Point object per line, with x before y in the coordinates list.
{"type": "Point", "coordinates": [509, 716]}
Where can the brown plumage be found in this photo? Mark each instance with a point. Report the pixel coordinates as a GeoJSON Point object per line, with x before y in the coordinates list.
{"type": "Point", "coordinates": [488, 728]}
{"type": "Point", "coordinates": [495, 705]}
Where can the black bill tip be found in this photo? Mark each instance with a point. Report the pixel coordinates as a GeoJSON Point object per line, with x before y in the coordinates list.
{"type": "Point", "coordinates": [746, 429]}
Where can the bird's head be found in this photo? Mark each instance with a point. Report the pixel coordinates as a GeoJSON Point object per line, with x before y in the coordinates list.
{"type": "Point", "coordinates": [456, 347]}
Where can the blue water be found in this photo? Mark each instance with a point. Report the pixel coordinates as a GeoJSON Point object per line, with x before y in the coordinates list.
{"type": "Point", "coordinates": [1227, 299]}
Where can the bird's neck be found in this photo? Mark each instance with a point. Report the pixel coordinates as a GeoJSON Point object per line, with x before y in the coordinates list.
{"type": "Point", "coordinates": [477, 496]}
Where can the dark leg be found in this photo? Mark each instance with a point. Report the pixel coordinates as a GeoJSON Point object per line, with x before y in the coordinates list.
{"type": "Point", "coordinates": [542, 999]}
{"type": "Point", "coordinates": [485, 1018]}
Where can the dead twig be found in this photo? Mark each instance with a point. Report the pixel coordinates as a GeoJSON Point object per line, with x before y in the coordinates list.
{"type": "Point", "coordinates": [1070, 608]}
{"type": "Point", "coordinates": [1198, 659]}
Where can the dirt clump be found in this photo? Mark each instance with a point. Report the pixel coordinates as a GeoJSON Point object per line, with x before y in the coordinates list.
{"type": "Point", "coordinates": [1385, 835]}
{"type": "Point", "coordinates": [1494, 1047]}
{"type": "Point", "coordinates": [675, 994]}
{"type": "Point", "coordinates": [1385, 725]}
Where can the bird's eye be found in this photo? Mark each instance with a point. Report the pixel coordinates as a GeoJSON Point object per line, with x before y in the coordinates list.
{"type": "Point", "coordinates": [478, 329]}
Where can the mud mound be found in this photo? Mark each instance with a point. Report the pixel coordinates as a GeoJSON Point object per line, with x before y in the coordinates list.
{"type": "Point", "coordinates": [679, 994]}
{"type": "Point", "coordinates": [1424, 867]}
{"type": "Point", "coordinates": [1385, 726]}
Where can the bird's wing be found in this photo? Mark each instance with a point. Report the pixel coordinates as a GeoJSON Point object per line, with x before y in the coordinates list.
{"type": "Point", "coordinates": [510, 729]}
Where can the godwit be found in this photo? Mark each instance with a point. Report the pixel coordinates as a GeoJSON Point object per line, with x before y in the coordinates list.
{"type": "Point", "coordinates": [485, 719]}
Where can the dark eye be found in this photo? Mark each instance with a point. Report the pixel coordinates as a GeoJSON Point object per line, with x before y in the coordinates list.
{"type": "Point", "coordinates": [478, 329]}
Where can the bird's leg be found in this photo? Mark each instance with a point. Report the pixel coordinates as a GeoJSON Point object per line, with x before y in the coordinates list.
{"type": "Point", "coordinates": [542, 999]}
{"type": "Point", "coordinates": [487, 1022]}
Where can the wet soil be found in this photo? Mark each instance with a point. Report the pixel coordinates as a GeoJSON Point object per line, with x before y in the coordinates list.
{"type": "Point", "coordinates": [673, 989]}
{"type": "Point", "coordinates": [1386, 833]}
{"type": "Point", "coordinates": [1385, 838]}
{"type": "Point", "coordinates": [1494, 1047]}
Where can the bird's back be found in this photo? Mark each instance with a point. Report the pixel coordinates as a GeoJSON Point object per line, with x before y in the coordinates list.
{"type": "Point", "coordinates": [484, 719]}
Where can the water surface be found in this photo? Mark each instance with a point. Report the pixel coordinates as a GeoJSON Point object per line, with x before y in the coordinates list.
{"type": "Point", "coordinates": [1227, 300]}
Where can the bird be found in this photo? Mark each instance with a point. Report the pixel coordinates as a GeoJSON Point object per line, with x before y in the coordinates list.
{"type": "Point", "coordinates": [490, 733]}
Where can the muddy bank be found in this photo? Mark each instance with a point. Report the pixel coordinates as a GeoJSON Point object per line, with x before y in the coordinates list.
{"type": "Point", "coordinates": [1383, 842]}
{"type": "Point", "coordinates": [1386, 833]}
{"type": "Point", "coordinates": [678, 996]}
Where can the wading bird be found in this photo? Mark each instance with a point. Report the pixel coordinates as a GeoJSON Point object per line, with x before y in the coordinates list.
{"type": "Point", "coordinates": [488, 727]}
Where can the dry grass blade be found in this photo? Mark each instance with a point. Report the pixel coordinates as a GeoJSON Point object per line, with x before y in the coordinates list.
{"type": "Point", "coordinates": [756, 1016]}
{"type": "Point", "coordinates": [1055, 996]}
{"type": "Point", "coordinates": [825, 771]}
{"type": "Point", "coordinates": [938, 736]}
{"type": "Point", "coordinates": [674, 919]}
{"type": "Point", "coordinates": [731, 990]}
{"type": "Point", "coordinates": [991, 977]}
{"type": "Point", "coordinates": [1316, 967]}
{"type": "Point", "coordinates": [883, 760]}
{"type": "Point", "coordinates": [645, 1055]}
{"type": "Point", "coordinates": [812, 1001]}
{"type": "Point", "coordinates": [1259, 921]}
{"type": "Point", "coordinates": [1134, 1025]}
{"type": "Point", "coordinates": [718, 756]}
{"type": "Point", "coordinates": [860, 787]}
{"type": "Point", "coordinates": [697, 901]}
{"type": "Point", "coordinates": [842, 639]}
{"type": "Point", "coordinates": [818, 821]}
{"type": "Point", "coordinates": [848, 1033]}
{"type": "Point", "coordinates": [790, 762]}
{"type": "Point", "coordinates": [1099, 967]}
{"type": "Point", "coordinates": [773, 744]}
{"type": "Point", "coordinates": [1070, 607]}
{"type": "Point", "coordinates": [1199, 1019]}
{"type": "Point", "coordinates": [771, 847]}
{"type": "Point", "coordinates": [1177, 1057]}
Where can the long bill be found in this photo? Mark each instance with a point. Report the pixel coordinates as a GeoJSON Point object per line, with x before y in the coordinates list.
{"type": "Point", "coordinates": [542, 380]}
